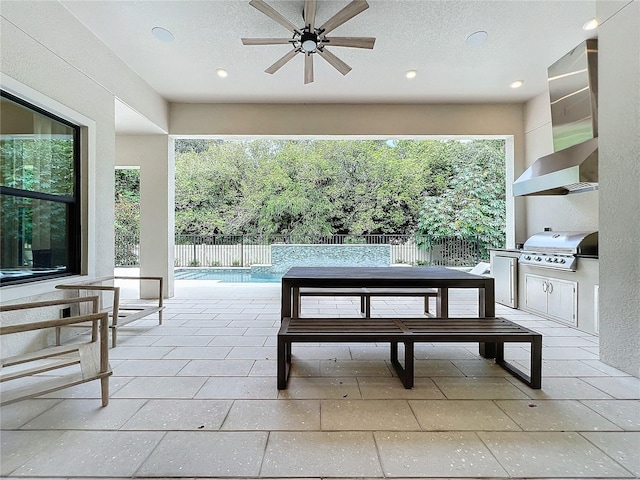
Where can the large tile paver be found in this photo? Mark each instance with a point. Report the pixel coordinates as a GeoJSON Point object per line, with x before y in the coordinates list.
{"type": "Point", "coordinates": [179, 415]}
{"type": "Point", "coordinates": [435, 454]}
{"type": "Point", "coordinates": [445, 415]}
{"type": "Point", "coordinates": [321, 454]}
{"type": "Point", "coordinates": [87, 453]}
{"type": "Point", "coordinates": [273, 415]}
{"type": "Point", "coordinates": [623, 447]}
{"type": "Point", "coordinates": [211, 454]}
{"type": "Point", "coordinates": [550, 454]}
{"type": "Point", "coordinates": [367, 415]}
{"type": "Point", "coordinates": [554, 415]}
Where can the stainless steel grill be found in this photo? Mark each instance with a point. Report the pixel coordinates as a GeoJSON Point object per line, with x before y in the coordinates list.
{"type": "Point", "coordinates": [559, 249]}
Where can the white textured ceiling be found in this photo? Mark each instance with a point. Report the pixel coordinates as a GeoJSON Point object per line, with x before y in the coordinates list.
{"type": "Point", "coordinates": [525, 37]}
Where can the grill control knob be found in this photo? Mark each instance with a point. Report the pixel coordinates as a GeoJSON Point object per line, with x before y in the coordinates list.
{"type": "Point", "coordinates": [555, 260]}
{"type": "Point", "coordinates": [537, 259]}
{"type": "Point", "coordinates": [549, 260]}
{"type": "Point", "coordinates": [527, 257]}
{"type": "Point", "coordinates": [562, 260]}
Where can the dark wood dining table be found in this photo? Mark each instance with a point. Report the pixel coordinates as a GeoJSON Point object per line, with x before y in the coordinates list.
{"type": "Point", "coordinates": [439, 278]}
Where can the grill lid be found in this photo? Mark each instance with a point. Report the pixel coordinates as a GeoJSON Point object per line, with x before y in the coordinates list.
{"type": "Point", "coordinates": [563, 243]}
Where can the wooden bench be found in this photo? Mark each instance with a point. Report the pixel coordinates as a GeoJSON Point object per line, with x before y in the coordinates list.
{"type": "Point", "coordinates": [82, 361]}
{"type": "Point", "coordinates": [410, 331]}
{"type": "Point", "coordinates": [365, 295]}
{"type": "Point", "coordinates": [121, 311]}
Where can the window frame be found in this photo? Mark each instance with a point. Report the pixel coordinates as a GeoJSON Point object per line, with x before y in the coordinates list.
{"type": "Point", "coordinates": [74, 203]}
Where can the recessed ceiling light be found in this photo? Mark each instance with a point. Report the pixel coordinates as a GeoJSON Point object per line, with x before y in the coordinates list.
{"type": "Point", "coordinates": [517, 84]}
{"type": "Point", "coordinates": [591, 24]}
{"type": "Point", "coordinates": [477, 38]}
{"type": "Point", "coordinates": [162, 34]}
{"type": "Point", "coordinates": [222, 73]}
{"type": "Point", "coordinates": [411, 74]}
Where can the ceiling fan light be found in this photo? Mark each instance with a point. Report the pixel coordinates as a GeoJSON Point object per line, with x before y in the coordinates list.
{"type": "Point", "coordinates": [517, 84]}
{"type": "Point", "coordinates": [222, 73]}
{"type": "Point", "coordinates": [309, 45]}
{"type": "Point", "coordinates": [411, 74]}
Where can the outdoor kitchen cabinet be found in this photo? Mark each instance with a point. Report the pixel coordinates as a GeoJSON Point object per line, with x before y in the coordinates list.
{"type": "Point", "coordinates": [554, 298]}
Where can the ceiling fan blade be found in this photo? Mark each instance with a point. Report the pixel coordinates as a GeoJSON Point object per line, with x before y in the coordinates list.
{"type": "Point", "coordinates": [270, 12]}
{"type": "Point", "coordinates": [347, 13]}
{"type": "Point", "coordinates": [310, 7]}
{"type": "Point", "coordinates": [355, 42]}
{"type": "Point", "coordinates": [276, 66]}
{"type": "Point", "coordinates": [266, 41]}
{"type": "Point", "coordinates": [334, 61]}
{"type": "Point", "coordinates": [308, 68]}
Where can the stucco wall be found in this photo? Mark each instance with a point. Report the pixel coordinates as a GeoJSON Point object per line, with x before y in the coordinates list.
{"type": "Point", "coordinates": [619, 114]}
{"type": "Point", "coordinates": [157, 204]}
{"type": "Point", "coordinates": [48, 58]}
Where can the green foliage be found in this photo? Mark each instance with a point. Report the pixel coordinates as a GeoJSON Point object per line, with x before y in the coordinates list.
{"type": "Point", "coordinates": [472, 199]}
{"type": "Point", "coordinates": [127, 216]}
{"type": "Point", "coordinates": [322, 187]}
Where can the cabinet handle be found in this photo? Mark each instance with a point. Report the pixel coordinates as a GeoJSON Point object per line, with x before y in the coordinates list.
{"type": "Point", "coordinates": [550, 288]}
{"type": "Point", "coordinates": [544, 286]}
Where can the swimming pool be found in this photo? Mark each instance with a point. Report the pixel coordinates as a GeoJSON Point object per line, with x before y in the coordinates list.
{"type": "Point", "coordinates": [226, 275]}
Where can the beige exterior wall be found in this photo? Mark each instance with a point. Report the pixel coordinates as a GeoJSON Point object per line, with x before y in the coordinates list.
{"type": "Point", "coordinates": [157, 204]}
{"type": "Point", "coordinates": [619, 126]}
{"type": "Point", "coordinates": [48, 58]}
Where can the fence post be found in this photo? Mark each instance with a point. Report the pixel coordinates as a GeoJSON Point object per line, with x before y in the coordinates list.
{"type": "Point", "coordinates": [195, 254]}
{"type": "Point", "coordinates": [430, 243]}
{"type": "Point", "coordinates": [242, 250]}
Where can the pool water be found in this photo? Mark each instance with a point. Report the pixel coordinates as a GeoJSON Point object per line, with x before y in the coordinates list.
{"type": "Point", "coordinates": [225, 275]}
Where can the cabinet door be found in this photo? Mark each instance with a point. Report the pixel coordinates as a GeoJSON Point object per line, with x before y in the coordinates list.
{"type": "Point", "coordinates": [536, 293]}
{"type": "Point", "coordinates": [504, 270]}
{"type": "Point", "coordinates": [562, 302]}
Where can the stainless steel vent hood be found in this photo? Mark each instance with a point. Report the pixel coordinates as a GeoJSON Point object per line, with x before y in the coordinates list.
{"type": "Point", "coordinates": [573, 91]}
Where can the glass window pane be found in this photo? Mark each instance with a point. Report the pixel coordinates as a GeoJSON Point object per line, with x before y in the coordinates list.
{"type": "Point", "coordinates": [34, 236]}
{"type": "Point", "coordinates": [36, 152]}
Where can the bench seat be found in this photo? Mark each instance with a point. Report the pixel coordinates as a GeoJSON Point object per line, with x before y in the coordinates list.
{"type": "Point", "coordinates": [410, 331]}
{"type": "Point", "coordinates": [365, 294]}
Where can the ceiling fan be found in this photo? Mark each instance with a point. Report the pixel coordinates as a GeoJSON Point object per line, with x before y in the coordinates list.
{"type": "Point", "coordinates": [310, 40]}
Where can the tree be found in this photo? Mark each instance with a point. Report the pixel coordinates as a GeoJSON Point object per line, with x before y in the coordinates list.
{"type": "Point", "coordinates": [127, 215]}
{"type": "Point", "coordinates": [473, 202]}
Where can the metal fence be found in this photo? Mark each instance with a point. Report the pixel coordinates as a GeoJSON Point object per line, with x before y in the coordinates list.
{"type": "Point", "coordinates": [246, 250]}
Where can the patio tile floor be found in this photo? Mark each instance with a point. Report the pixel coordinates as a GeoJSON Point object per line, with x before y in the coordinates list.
{"type": "Point", "coordinates": [197, 398]}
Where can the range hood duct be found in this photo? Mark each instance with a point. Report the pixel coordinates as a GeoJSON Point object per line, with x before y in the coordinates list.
{"type": "Point", "coordinates": [573, 91]}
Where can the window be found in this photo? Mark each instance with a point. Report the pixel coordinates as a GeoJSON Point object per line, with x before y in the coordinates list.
{"type": "Point", "coordinates": [39, 194]}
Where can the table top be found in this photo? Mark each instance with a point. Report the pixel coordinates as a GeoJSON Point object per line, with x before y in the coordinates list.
{"type": "Point", "coordinates": [383, 276]}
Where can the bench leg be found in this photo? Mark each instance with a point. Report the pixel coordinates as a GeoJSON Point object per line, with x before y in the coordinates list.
{"type": "Point", "coordinates": [367, 306]}
{"type": "Point", "coordinates": [536, 362]}
{"type": "Point", "coordinates": [534, 380]}
{"type": "Point", "coordinates": [426, 305]}
{"type": "Point", "coordinates": [284, 361]}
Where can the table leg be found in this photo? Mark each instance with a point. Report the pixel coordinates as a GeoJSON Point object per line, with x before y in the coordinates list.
{"type": "Point", "coordinates": [487, 309]}
{"type": "Point", "coordinates": [295, 312]}
{"type": "Point", "coordinates": [285, 300]}
{"type": "Point", "coordinates": [442, 303]}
